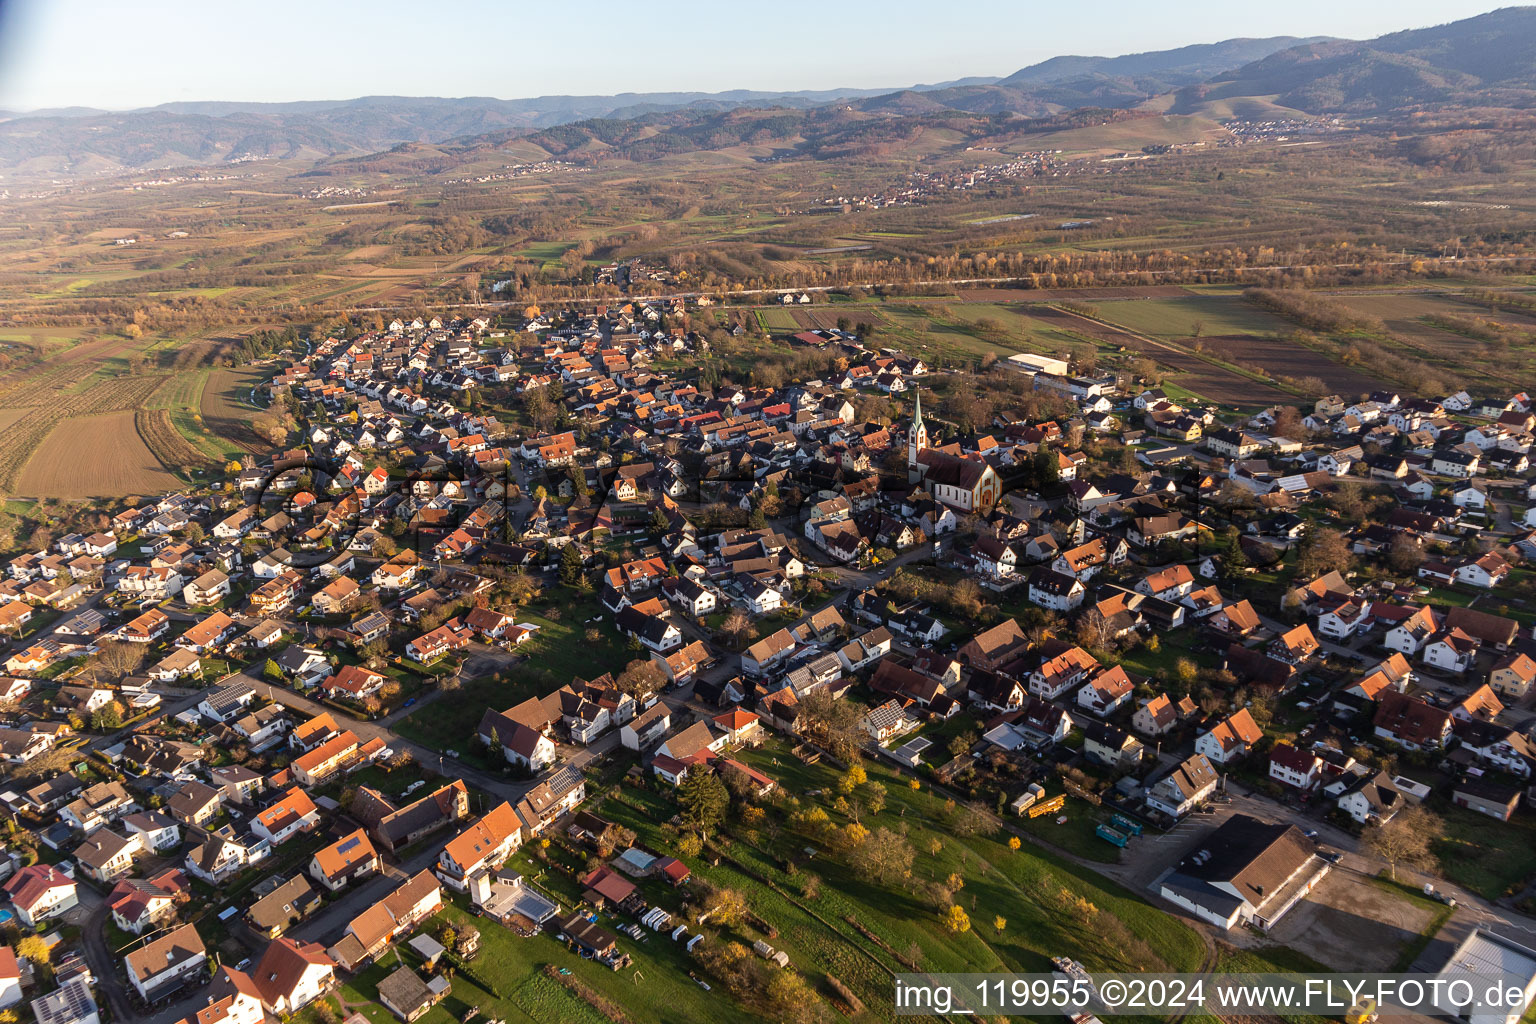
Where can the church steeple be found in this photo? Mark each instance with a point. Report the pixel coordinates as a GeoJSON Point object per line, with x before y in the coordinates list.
{"type": "Point", "coordinates": [917, 436]}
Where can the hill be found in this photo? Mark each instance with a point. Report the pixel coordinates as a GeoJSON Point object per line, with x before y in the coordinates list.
{"type": "Point", "coordinates": [1486, 61]}
{"type": "Point", "coordinates": [1489, 60]}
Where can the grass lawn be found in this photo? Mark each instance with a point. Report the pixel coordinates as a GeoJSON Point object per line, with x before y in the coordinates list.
{"type": "Point", "coordinates": [1485, 855]}
{"type": "Point", "coordinates": [449, 722]}
{"type": "Point", "coordinates": [1160, 663]}
{"type": "Point", "coordinates": [561, 646]}
{"type": "Point", "coordinates": [1031, 888]}
{"type": "Point", "coordinates": [1076, 835]}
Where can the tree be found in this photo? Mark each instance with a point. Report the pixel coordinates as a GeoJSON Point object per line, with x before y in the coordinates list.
{"type": "Point", "coordinates": [886, 855]}
{"type": "Point", "coordinates": [1408, 838]}
{"type": "Point", "coordinates": [728, 907]}
{"type": "Point", "coordinates": [956, 920]}
{"type": "Point", "coordinates": [34, 949]}
{"type": "Point", "coordinates": [1405, 555]}
{"type": "Point", "coordinates": [704, 801]}
{"type": "Point", "coordinates": [641, 678]}
{"type": "Point", "coordinates": [1321, 551]}
{"type": "Point", "coordinates": [999, 923]}
{"type": "Point", "coordinates": [107, 717]}
{"type": "Point", "coordinates": [793, 1001]}
{"type": "Point", "coordinates": [833, 724]}
{"type": "Point", "coordinates": [855, 778]}
{"type": "Point", "coordinates": [570, 565]}
{"type": "Point", "coordinates": [118, 659]}
{"type": "Point", "coordinates": [1014, 843]}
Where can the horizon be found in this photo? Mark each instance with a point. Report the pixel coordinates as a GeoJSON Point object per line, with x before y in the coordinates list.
{"type": "Point", "coordinates": [62, 54]}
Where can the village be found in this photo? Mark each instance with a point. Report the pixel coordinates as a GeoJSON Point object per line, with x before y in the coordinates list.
{"type": "Point", "coordinates": [529, 630]}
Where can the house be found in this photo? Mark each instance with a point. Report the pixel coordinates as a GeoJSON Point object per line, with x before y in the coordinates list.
{"type": "Point", "coordinates": [1341, 621]}
{"type": "Point", "coordinates": [646, 728]}
{"type": "Point", "coordinates": [483, 846]}
{"type": "Point", "coordinates": [40, 892]}
{"type": "Point", "coordinates": [283, 907]}
{"type": "Point", "coordinates": [1487, 571]}
{"type": "Point", "coordinates": [290, 975]}
{"type": "Point", "coordinates": [1512, 675]}
{"type": "Point", "coordinates": [1300, 769]}
{"type": "Point", "coordinates": [208, 634]}
{"type": "Point", "coordinates": [1055, 590]}
{"type": "Point", "coordinates": [1160, 714]}
{"type": "Point", "coordinates": [294, 812]}
{"type": "Point", "coordinates": [216, 858]}
{"type": "Point", "coordinates": [107, 856]}
{"type": "Point", "coordinates": [995, 649]}
{"type": "Point", "coordinates": [18, 746]}
{"type": "Point", "coordinates": [555, 796]}
{"type": "Point", "coordinates": [1486, 797]}
{"type": "Point", "coordinates": [226, 703]}
{"type": "Point", "coordinates": [70, 1003]}
{"type": "Point", "coordinates": [395, 828]}
{"type": "Point", "coordinates": [322, 762]}
{"type": "Point", "coordinates": [521, 744]}
{"type": "Point", "coordinates": [1234, 620]}
{"type": "Point", "coordinates": [1411, 634]}
{"type": "Point", "coordinates": [1294, 646]}
{"type": "Point", "coordinates": [1371, 799]}
{"type": "Point", "coordinates": [10, 979]}
{"type": "Point", "coordinates": [207, 589]}
{"type": "Point", "coordinates": [1061, 670]}
{"type": "Point", "coordinates": [370, 933]}
{"type": "Point", "coordinates": [1186, 787]}
{"type": "Point", "coordinates": [696, 744]}
{"type": "Point", "coordinates": [146, 628]}
{"type": "Point", "coordinates": [306, 666]}
{"type": "Point", "coordinates": [196, 803]}
{"type": "Point", "coordinates": [452, 635]}
{"type": "Point", "coordinates": [166, 964]}
{"type": "Point", "coordinates": [887, 720]}
{"type": "Point", "coordinates": [408, 997]}
{"type": "Point", "coordinates": [1411, 722]}
{"type": "Point", "coordinates": [141, 904]}
{"type": "Point", "coordinates": [353, 682]}
{"type": "Point", "coordinates": [1246, 872]}
{"type": "Point", "coordinates": [768, 652]}
{"type": "Point", "coordinates": [98, 805]}
{"type": "Point", "coordinates": [1451, 650]}
{"type": "Point", "coordinates": [347, 859]}
{"type": "Point", "coordinates": [1111, 745]}
{"type": "Point", "coordinates": [1230, 739]}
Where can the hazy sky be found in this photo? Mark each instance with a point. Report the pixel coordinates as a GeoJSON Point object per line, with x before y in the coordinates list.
{"type": "Point", "coordinates": [128, 53]}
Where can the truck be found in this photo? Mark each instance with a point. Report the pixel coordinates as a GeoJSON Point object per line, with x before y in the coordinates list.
{"type": "Point", "coordinates": [1436, 894]}
{"type": "Point", "coordinates": [1112, 835]}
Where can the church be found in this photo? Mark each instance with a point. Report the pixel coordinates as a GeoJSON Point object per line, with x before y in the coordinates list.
{"type": "Point", "coordinates": [962, 482]}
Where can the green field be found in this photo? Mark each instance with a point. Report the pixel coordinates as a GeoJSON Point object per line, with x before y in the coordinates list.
{"type": "Point", "coordinates": [1178, 317]}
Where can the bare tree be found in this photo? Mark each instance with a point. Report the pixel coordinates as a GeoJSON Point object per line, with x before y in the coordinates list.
{"type": "Point", "coordinates": [1408, 838]}
{"type": "Point", "coordinates": [118, 659]}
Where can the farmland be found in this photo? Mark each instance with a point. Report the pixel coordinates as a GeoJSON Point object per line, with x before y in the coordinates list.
{"type": "Point", "coordinates": [163, 440]}
{"type": "Point", "coordinates": [225, 406]}
{"type": "Point", "coordinates": [93, 457]}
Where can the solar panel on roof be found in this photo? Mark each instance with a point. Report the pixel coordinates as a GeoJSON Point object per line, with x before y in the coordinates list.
{"type": "Point", "coordinates": [348, 845]}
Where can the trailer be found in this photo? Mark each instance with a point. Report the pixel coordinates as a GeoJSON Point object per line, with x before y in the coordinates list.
{"type": "Point", "coordinates": [1111, 835]}
{"type": "Point", "coordinates": [1126, 825]}
{"type": "Point", "coordinates": [1055, 803]}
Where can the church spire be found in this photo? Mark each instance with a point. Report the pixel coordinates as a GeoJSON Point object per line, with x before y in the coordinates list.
{"type": "Point", "coordinates": [917, 436]}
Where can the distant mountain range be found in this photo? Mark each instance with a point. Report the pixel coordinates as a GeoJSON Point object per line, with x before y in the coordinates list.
{"type": "Point", "coordinates": [1488, 60]}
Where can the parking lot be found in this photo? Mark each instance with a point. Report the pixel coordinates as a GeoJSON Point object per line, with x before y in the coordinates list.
{"type": "Point", "coordinates": [1349, 923]}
